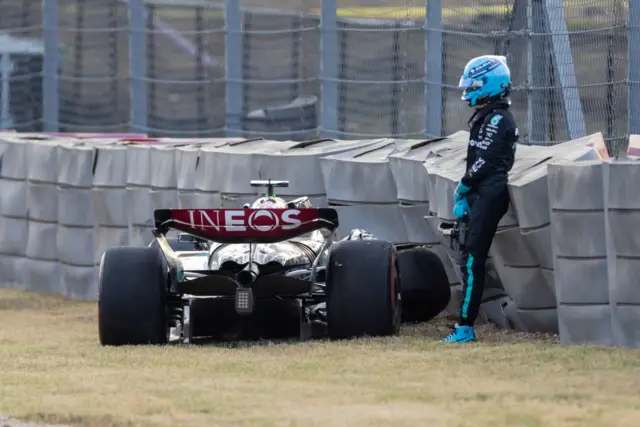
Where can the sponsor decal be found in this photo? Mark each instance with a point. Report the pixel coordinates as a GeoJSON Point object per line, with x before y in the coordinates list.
{"type": "Point", "coordinates": [483, 145]}
{"type": "Point", "coordinates": [243, 220]}
{"type": "Point", "coordinates": [247, 225]}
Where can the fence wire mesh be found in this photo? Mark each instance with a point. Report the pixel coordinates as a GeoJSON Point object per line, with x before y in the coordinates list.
{"type": "Point", "coordinates": [185, 70]}
{"type": "Point", "coordinates": [476, 28]}
{"type": "Point", "coordinates": [598, 36]}
{"type": "Point", "coordinates": [381, 70]}
{"type": "Point", "coordinates": [568, 60]}
{"type": "Point", "coordinates": [280, 67]}
{"type": "Point", "coordinates": [21, 51]}
{"type": "Point", "coordinates": [93, 74]}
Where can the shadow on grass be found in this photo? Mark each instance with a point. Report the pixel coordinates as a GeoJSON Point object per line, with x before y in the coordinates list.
{"type": "Point", "coordinates": [432, 331]}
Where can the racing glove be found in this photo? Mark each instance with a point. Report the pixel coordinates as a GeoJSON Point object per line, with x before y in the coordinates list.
{"type": "Point", "coordinates": [461, 208]}
{"type": "Point", "coordinates": [460, 191]}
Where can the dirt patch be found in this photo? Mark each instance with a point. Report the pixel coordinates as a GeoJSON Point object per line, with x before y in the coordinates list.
{"type": "Point", "coordinates": [54, 371]}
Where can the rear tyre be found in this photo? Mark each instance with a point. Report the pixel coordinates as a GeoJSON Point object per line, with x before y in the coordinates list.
{"type": "Point", "coordinates": [132, 297]}
{"type": "Point", "coordinates": [363, 290]}
{"type": "Point", "coordinates": [425, 285]}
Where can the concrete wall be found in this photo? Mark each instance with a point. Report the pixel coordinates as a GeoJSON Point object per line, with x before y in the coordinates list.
{"type": "Point", "coordinates": [565, 258]}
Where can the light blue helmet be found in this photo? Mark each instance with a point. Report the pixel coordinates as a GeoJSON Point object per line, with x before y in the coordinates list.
{"type": "Point", "coordinates": [485, 79]}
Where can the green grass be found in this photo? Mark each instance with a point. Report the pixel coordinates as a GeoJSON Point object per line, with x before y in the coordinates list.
{"type": "Point", "coordinates": [54, 370]}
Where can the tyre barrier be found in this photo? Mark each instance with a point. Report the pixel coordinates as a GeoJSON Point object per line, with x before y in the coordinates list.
{"type": "Point", "coordinates": [565, 259]}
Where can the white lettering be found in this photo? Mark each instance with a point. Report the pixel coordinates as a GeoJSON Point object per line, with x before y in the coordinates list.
{"type": "Point", "coordinates": [477, 165]}
{"type": "Point", "coordinates": [234, 221]}
{"type": "Point", "coordinates": [203, 216]}
{"type": "Point", "coordinates": [483, 145]}
{"type": "Point", "coordinates": [241, 220]}
{"type": "Point", "coordinates": [288, 217]}
{"type": "Point", "coordinates": [272, 220]}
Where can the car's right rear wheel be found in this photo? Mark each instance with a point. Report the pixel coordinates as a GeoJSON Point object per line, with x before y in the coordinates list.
{"type": "Point", "coordinates": [363, 289]}
{"type": "Point", "coordinates": [132, 297]}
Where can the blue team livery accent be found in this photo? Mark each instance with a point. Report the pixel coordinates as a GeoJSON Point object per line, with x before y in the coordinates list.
{"type": "Point", "coordinates": [496, 119]}
{"type": "Point", "coordinates": [467, 297]}
{"type": "Point", "coordinates": [484, 77]}
{"type": "Point", "coordinates": [460, 191]}
{"type": "Point", "coordinates": [483, 68]}
{"type": "Point", "coordinates": [462, 334]}
{"type": "Point", "coordinates": [460, 208]}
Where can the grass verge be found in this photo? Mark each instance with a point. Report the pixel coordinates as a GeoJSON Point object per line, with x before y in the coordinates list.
{"type": "Point", "coordinates": [54, 371]}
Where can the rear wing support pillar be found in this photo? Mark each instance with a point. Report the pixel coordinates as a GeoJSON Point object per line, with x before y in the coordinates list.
{"type": "Point", "coordinates": [175, 264]}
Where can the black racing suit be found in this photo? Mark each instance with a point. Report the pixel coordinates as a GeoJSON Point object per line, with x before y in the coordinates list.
{"type": "Point", "coordinates": [490, 157]}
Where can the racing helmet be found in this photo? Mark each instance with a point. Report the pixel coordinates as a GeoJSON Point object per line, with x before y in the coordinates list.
{"type": "Point", "coordinates": [485, 79]}
{"type": "Point", "coordinates": [267, 202]}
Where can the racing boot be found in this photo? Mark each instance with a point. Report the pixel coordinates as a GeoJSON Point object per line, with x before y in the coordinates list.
{"type": "Point", "coordinates": [461, 334]}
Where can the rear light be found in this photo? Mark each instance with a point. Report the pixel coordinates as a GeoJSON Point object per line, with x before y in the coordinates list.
{"type": "Point", "coordinates": [244, 300]}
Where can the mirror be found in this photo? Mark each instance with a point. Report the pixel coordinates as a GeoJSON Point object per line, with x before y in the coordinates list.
{"type": "Point", "coordinates": [185, 237]}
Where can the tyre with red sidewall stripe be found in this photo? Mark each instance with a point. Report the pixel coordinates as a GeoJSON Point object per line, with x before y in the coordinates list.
{"type": "Point", "coordinates": [132, 297]}
{"type": "Point", "coordinates": [363, 289]}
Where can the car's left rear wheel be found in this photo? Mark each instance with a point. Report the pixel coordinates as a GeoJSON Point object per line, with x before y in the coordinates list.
{"type": "Point", "coordinates": [132, 297]}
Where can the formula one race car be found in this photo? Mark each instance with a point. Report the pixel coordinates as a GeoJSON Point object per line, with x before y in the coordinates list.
{"type": "Point", "coordinates": [273, 269]}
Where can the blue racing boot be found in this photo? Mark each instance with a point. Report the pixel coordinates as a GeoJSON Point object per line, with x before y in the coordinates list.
{"type": "Point", "coordinates": [461, 334]}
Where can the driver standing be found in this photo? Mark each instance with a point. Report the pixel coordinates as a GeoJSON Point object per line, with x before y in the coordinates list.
{"type": "Point", "coordinates": [482, 192]}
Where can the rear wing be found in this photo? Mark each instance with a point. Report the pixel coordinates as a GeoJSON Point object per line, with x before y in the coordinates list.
{"type": "Point", "coordinates": [246, 225]}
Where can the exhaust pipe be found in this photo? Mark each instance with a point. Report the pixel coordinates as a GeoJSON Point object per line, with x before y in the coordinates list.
{"type": "Point", "coordinates": [248, 275]}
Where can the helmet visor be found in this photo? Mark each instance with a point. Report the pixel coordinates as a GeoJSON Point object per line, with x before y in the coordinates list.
{"type": "Point", "coordinates": [466, 83]}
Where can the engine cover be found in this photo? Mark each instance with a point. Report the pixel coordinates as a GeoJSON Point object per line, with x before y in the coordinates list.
{"type": "Point", "coordinates": [298, 251]}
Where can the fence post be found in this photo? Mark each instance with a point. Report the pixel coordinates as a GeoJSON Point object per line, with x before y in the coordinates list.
{"type": "Point", "coordinates": [433, 68]}
{"type": "Point", "coordinates": [537, 75]}
{"type": "Point", "coordinates": [563, 58]}
{"type": "Point", "coordinates": [233, 57]}
{"type": "Point", "coordinates": [50, 66]}
{"type": "Point", "coordinates": [329, 69]}
{"type": "Point", "coordinates": [138, 66]}
{"type": "Point", "coordinates": [633, 68]}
